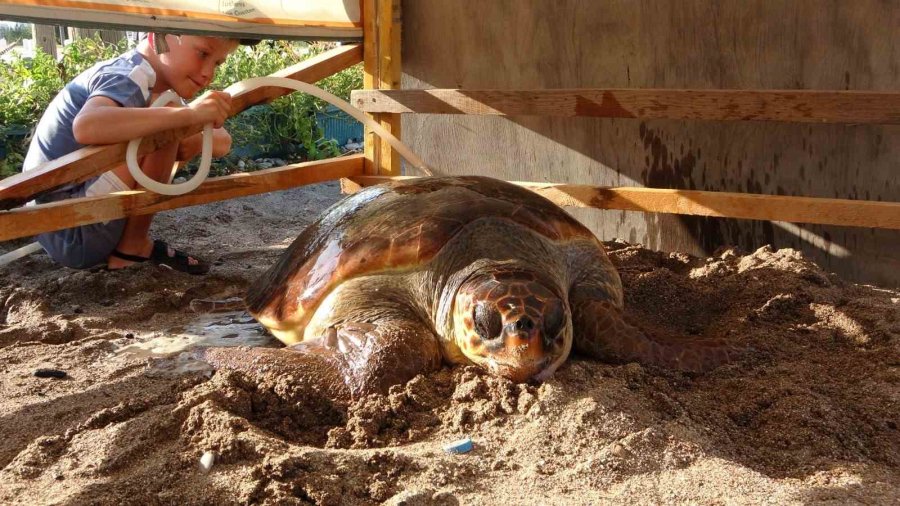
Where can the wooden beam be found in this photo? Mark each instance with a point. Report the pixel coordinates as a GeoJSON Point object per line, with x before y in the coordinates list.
{"type": "Point", "coordinates": [28, 221]}
{"type": "Point", "coordinates": [44, 37]}
{"type": "Point", "coordinates": [274, 20]}
{"type": "Point", "coordinates": [806, 106]}
{"type": "Point", "coordinates": [381, 43]}
{"type": "Point", "coordinates": [94, 160]}
{"type": "Point", "coordinates": [371, 146]}
{"type": "Point", "coordinates": [826, 211]}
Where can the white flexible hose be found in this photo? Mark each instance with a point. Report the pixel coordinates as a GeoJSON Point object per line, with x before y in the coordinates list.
{"type": "Point", "coordinates": [170, 189]}
{"type": "Point", "coordinates": [206, 154]}
{"type": "Point", "coordinates": [293, 84]}
{"type": "Point", "coordinates": [16, 254]}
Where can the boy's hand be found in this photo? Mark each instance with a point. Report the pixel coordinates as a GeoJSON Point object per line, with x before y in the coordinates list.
{"type": "Point", "coordinates": [212, 107]}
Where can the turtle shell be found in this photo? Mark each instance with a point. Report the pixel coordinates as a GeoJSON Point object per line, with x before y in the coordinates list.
{"type": "Point", "coordinates": [394, 226]}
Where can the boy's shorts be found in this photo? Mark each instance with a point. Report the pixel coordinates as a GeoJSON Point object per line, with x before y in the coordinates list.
{"type": "Point", "coordinates": [87, 245]}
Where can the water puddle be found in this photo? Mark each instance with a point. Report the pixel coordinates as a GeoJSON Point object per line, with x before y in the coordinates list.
{"type": "Point", "coordinates": [172, 351]}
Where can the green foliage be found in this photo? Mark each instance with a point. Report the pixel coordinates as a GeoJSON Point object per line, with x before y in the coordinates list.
{"type": "Point", "coordinates": [27, 85]}
{"type": "Point", "coordinates": [288, 121]}
{"type": "Point", "coordinates": [83, 53]}
{"type": "Point", "coordinates": [284, 127]}
{"type": "Point", "coordinates": [14, 32]}
{"type": "Point", "coordinates": [10, 161]}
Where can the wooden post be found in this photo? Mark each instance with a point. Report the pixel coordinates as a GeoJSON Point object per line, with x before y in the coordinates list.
{"type": "Point", "coordinates": [107, 36]}
{"type": "Point", "coordinates": [45, 38]}
{"type": "Point", "coordinates": [381, 57]}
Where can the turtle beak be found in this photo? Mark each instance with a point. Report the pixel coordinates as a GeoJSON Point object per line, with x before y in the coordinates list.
{"type": "Point", "coordinates": [527, 354]}
{"type": "Point", "coordinates": [524, 346]}
{"type": "Point", "coordinates": [518, 372]}
{"type": "Point", "coordinates": [525, 342]}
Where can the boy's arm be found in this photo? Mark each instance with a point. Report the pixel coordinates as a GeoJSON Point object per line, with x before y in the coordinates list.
{"type": "Point", "coordinates": [192, 146]}
{"type": "Point", "coordinates": [103, 121]}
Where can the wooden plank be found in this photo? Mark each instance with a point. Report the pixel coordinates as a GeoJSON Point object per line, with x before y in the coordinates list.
{"type": "Point", "coordinates": [265, 20]}
{"type": "Point", "coordinates": [93, 160]}
{"type": "Point", "coordinates": [771, 45]}
{"type": "Point", "coordinates": [844, 212]}
{"type": "Point", "coordinates": [27, 221]}
{"type": "Point", "coordinates": [381, 41]}
{"type": "Point", "coordinates": [348, 186]}
{"type": "Point", "coordinates": [371, 146]}
{"type": "Point", "coordinates": [389, 21]}
{"type": "Point", "coordinates": [44, 37]}
{"type": "Point", "coordinates": [804, 106]}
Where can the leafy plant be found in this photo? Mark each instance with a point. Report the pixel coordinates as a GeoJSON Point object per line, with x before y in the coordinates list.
{"type": "Point", "coordinates": [289, 120]}
{"type": "Point", "coordinates": [14, 32]}
{"type": "Point", "coordinates": [287, 125]}
{"type": "Point", "coordinates": [27, 85]}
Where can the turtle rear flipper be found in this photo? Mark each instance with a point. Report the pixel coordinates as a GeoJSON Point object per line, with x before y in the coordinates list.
{"type": "Point", "coordinates": [602, 332]}
{"type": "Point", "coordinates": [349, 361]}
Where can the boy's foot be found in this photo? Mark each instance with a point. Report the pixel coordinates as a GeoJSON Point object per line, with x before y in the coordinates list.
{"type": "Point", "coordinates": [163, 255]}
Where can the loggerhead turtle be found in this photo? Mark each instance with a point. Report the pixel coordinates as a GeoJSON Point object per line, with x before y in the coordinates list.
{"type": "Point", "coordinates": [398, 278]}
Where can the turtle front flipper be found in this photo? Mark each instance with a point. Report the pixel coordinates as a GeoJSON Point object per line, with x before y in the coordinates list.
{"type": "Point", "coordinates": [348, 361]}
{"type": "Point", "coordinates": [602, 332]}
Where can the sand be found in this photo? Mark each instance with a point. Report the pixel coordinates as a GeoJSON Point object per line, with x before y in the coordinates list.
{"type": "Point", "coordinates": [809, 416]}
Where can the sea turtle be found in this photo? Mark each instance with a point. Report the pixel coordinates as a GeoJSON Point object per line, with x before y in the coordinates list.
{"type": "Point", "coordinates": [399, 278]}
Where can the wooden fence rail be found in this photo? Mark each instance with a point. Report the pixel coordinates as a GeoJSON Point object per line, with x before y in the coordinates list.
{"type": "Point", "coordinates": [851, 213]}
{"type": "Point", "coordinates": [28, 221]}
{"type": "Point", "coordinates": [806, 106]}
{"type": "Point", "coordinates": [94, 160]}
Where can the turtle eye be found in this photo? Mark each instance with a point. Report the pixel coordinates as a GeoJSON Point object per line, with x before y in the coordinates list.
{"type": "Point", "coordinates": [488, 322]}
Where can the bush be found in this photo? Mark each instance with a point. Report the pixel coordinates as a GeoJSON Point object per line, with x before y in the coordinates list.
{"type": "Point", "coordinates": [289, 121]}
{"type": "Point", "coordinates": [27, 85]}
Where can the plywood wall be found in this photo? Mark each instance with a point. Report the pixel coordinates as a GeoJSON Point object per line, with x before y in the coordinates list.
{"type": "Point", "coordinates": [784, 44]}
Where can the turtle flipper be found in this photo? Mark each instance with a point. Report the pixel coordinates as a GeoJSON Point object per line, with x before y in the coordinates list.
{"type": "Point", "coordinates": [308, 381]}
{"type": "Point", "coordinates": [347, 361]}
{"type": "Point", "coordinates": [602, 332]}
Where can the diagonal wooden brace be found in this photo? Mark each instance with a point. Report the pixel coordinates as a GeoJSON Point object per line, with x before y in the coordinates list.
{"type": "Point", "coordinates": [68, 213]}
{"type": "Point", "coordinates": [91, 161]}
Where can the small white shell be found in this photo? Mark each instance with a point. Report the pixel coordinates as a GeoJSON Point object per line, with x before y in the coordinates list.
{"type": "Point", "coordinates": [206, 461]}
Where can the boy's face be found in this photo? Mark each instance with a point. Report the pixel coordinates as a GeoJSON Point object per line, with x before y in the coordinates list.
{"type": "Point", "coordinates": [190, 64]}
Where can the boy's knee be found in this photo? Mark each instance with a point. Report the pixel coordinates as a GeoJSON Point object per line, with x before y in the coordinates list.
{"type": "Point", "coordinates": [158, 165]}
{"type": "Point", "coordinates": [85, 246]}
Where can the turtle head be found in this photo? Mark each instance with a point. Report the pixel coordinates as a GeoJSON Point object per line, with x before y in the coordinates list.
{"type": "Point", "coordinates": [510, 323]}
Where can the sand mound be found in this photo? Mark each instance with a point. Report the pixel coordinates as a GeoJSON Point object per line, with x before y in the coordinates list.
{"type": "Point", "coordinates": [809, 415]}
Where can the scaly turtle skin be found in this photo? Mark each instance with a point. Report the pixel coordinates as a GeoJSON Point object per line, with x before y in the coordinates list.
{"type": "Point", "coordinates": [398, 278]}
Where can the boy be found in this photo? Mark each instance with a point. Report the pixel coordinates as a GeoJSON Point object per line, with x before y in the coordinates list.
{"type": "Point", "coordinates": [106, 104]}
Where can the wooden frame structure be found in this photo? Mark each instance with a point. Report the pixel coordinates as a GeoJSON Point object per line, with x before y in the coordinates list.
{"type": "Point", "coordinates": [380, 54]}
{"type": "Point", "coordinates": [94, 160]}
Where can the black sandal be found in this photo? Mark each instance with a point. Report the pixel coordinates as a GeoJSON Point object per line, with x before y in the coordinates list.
{"type": "Point", "coordinates": [159, 255]}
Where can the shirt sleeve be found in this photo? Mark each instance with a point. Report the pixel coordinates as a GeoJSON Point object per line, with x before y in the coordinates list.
{"type": "Point", "coordinates": [119, 87]}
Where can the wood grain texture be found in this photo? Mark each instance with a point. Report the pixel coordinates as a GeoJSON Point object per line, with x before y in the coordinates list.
{"type": "Point", "coordinates": [686, 44]}
{"type": "Point", "coordinates": [805, 106]}
{"type": "Point", "coordinates": [382, 65]}
{"type": "Point", "coordinates": [371, 146]}
{"type": "Point", "coordinates": [28, 221]}
{"type": "Point", "coordinates": [94, 160]}
{"type": "Point", "coordinates": [843, 212]}
{"type": "Point", "coordinates": [178, 24]}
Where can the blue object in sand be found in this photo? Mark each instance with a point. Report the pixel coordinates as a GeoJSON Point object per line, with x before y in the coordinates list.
{"type": "Point", "coordinates": [461, 446]}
